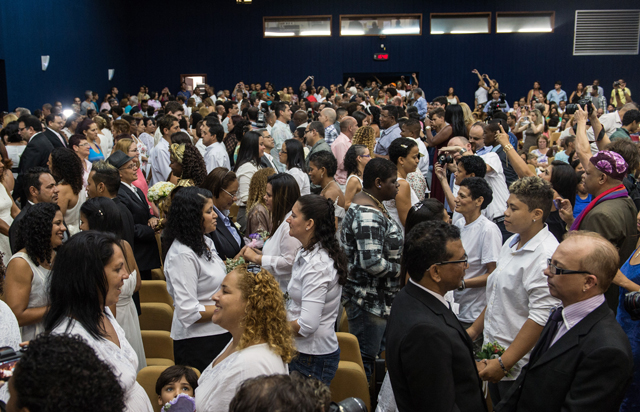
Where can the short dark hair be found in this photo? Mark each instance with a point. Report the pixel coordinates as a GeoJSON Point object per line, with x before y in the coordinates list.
{"type": "Point", "coordinates": [324, 159]}
{"type": "Point", "coordinates": [215, 128]}
{"type": "Point", "coordinates": [75, 139]}
{"type": "Point", "coordinates": [318, 127]}
{"type": "Point", "coordinates": [631, 116]}
{"type": "Point", "coordinates": [442, 100]}
{"type": "Point", "coordinates": [117, 110]}
{"type": "Point", "coordinates": [378, 168]}
{"type": "Point", "coordinates": [393, 111]}
{"type": "Point", "coordinates": [105, 172]}
{"type": "Point", "coordinates": [62, 372]}
{"type": "Point", "coordinates": [423, 211]}
{"type": "Point", "coordinates": [429, 240]}
{"type": "Point", "coordinates": [438, 111]}
{"type": "Point", "coordinates": [166, 122]}
{"type": "Point", "coordinates": [401, 147]}
{"type": "Point", "coordinates": [474, 164]}
{"type": "Point", "coordinates": [51, 117]}
{"type": "Point", "coordinates": [173, 374]}
{"type": "Point", "coordinates": [173, 107]}
{"type": "Point", "coordinates": [534, 192]}
{"type": "Point", "coordinates": [30, 121]}
{"type": "Point", "coordinates": [280, 107]}
{"type": "Point", "coordinates": [478, 187]}
{"type": "Point", "coordinates": [32, 178]}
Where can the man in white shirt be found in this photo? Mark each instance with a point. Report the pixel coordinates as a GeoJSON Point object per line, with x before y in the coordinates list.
{"type": "Point", "coordinates": [231, 110]}
{"type": "Point", "coordinates": [411, 129]}
{"type": "Point", "coordinates": [160, 158]}
{"type": "Point", "coordinates": [176, 110]}
{"type": "Point", "coordinates": [215, 154]}
{"type": "Point", "coordinates": [280, 132]}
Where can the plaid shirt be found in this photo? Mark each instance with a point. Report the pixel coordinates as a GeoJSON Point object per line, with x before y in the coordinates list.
{"type": "Point", "coordinates": [373, 245]}
{"type": "Point", "coordinates": [330, 134]}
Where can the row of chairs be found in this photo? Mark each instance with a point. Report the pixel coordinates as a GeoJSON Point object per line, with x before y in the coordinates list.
{"type": "Point", "coordinates": [155, 323]}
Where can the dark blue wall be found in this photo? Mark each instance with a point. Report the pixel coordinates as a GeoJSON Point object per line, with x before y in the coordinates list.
{"type": "Point", "coordinates": [153, 42]}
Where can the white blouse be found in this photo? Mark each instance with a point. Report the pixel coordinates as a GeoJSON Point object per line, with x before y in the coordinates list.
{"type": "Point", "coordinates": [303, 180]}
{"type": "Point", "coordinates": [279, 252]}
{"type": "Point", "coordinates": [244, 174]}
{"type": "Point", "coordinates": [314, 297]}
{"type": "Point", "coordinates": [218, 384]}
{"type": "Point", "coordinates": [191, 281]}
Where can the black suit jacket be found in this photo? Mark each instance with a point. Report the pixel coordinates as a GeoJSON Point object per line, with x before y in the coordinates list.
{"type": "Point", "coordinates": [265, 162]}
{"type": "Point", "coordinates": [35, 154]}
{"type": "Point", "coordinates": [127, 223]}
{"type": "Point", "coordinates": [587, 369]}
{"type": "Point", "coordinates": [226, 245]}
{"type": "Point", "coordinates": [146, 247]}
{"type": "Point", "coordinates": [54, 139]}
{"type": "Point", "coordinates": [13, 229]}
{"type": "Point", "coordinates": [430, 357]}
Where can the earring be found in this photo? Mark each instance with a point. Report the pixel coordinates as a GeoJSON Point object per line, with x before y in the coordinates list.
{"type": "Point", "coordinates": [322, 175]}
{"type": "Point", "coordinates": [379, 187]}
{"type": "Point", "coordinates": [307, 228]}
{"type": "Point", "coordinates": [534, 221]}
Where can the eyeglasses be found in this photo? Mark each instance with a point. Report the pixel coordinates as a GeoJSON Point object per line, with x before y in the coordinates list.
{"type": "Point", "coordinates": [282, 151]}
{"type": "Point", "coordinates": [230, 194]}
{"type": "Point", "coordinates": [84, 145]}
{"type": "Point", "coordinates": [132, 166]}
{"type": "Point", "coordinates": [365, 155]}
{"type": "Point", "coordinates": [465, 261]}
{"type": "Point", "coordinates": [554, 270]}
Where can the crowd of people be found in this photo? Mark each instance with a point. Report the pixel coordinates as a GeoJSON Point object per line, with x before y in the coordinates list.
{"type": "Point", "coordinates": [444, 231]}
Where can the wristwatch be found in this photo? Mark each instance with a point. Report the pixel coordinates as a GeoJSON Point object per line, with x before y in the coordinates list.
{"type": "Point", "coordinates": [428, 127]}
{"type": "Point", "coordinates": [463, 151]}
{"type": "Point", "coordinates": [462, 286]}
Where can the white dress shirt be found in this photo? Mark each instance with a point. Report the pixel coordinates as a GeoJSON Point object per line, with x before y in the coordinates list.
{"type": "Point", "coordinates": [279, 252]}
{"type": "Point", "coordinates": [160, 160]}
{"type": "Point", "coordinates": [215, 155]}
{"type": "Point", "coordinates": [191, 281]}
{"type": "Point", "coordinates": [303, 180]}
{"type": "Point", "coordinates": [314, 297]}
{"type": "Point", "coordinates": [498, 184]}
{"type": "Point", "coordinates": [244, 175]}
{"type": "Point", "coordinates": [106, 142]}
{"type": "Point", "coordinates": [517, 290]}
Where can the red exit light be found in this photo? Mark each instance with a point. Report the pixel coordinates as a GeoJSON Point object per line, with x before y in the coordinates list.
{"type": "Point", "coordinates": [381, 56]}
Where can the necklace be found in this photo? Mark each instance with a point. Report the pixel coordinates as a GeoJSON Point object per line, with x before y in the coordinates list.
{"type": "Point", "coordinates": [327, 185]}
{"type": "Point", "coordinates": [378, 203]}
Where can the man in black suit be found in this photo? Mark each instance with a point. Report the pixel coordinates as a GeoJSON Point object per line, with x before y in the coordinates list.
{"type": "Point", "coordinates": [35, 154]}
{"type": "Point", "coordinates": [104, 181]}
{"type": "Point", "coordinates": [53, 131]}
{"type": "Point", "coordinates": [583, 360]}
{"type": "Point", "coordinates": [429, 354]}
{"type": "Point", "coordinates": [146, 246]}
{"type": "Point", "coordinates": [40, 187]}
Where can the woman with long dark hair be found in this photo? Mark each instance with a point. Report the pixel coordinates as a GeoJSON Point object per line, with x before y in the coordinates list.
{"type": "Point", "coordinates": [67, 169]}
{"type": "Point", "coordinates": [315, 289]}
{"type": "Point", "coordinates": [279, 251]}
{"type": "Point", "coordinates": [292, 156]}
{"type": "Point", "coordinates": [405, 154]}
{"type": "Point", "coordinates": [564, 181]}
{"type": "Point", "coordinates": [102, 214]}
{"type": "Point", "coordinates": [322, 169]}
{"type": "Point", "coordinates": [454, 116]}
{"type": "Point", "coordinates": [194, 273]}
{"type": "Point", "coordinates": [94, 264]}
{"type": "Point", "coordinates": [355, 160]}
{"type": "Point", "coordinates": [251, 150]}
{"type": "Point", "coordinates": [373, 243]}
{"type": "Point", "coordinates": [40, 232]}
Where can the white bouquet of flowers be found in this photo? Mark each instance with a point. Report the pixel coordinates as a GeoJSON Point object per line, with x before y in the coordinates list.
{"type": "Point", "coordinates": [160, 190]}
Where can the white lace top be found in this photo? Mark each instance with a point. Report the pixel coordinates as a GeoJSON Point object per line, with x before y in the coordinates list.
{"type": "Point", "coordinates": [38, 296]}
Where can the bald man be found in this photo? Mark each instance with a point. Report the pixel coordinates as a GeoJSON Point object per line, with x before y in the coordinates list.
{"type": "Point", "coordinates": [328, 117]}
{"type": "Point", "coordinates": [348, 128]}
{"type": "Point", "coordinates": [300, 119]}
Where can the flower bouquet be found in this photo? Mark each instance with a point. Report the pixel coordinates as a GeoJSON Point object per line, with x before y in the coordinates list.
{"type": "Point", "coordinates": [490, 351]}
{"type": "Point", "coordinates": [159, 191]}
{"type": "Point", "coordinates": [181, 403]}
{"type": "Point", "coordinates": [231, 264]}
{"type": "Point", "coordinates": [256, 240]}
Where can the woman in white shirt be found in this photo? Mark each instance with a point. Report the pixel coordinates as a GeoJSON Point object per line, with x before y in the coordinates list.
{"type": "Point", "coordinates": [94, 263]}
{"type": "Point", "coordinates": [249, 154]}
{"type": "Point", "coordinates": [404, 153]}
{"type": "Point", "coordinates": [194, 272]}
{"type": "Point", "coordinates": [355, 160]}
{"type": "Point", "coordinates": [280, 250]}
{"type": "Point", "coordinates": [292, 156]}
{"type": "Point", "coordinates": [315, 289]}
{"type": "Point", "coordinates": [250, 305]}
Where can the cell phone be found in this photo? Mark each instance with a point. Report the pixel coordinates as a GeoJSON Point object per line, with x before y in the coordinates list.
{"type": "Point", "coordinates": [556, 204]}
{"type": "Point", "coordinates": [8, 360]}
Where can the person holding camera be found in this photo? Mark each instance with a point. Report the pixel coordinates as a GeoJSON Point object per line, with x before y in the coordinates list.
{"type": "Point", "coordinates": [532, 126]}
{"type": "Point", "coordinates": [497, 101]}
{"type": "Point", "coordinates": [620, 94]}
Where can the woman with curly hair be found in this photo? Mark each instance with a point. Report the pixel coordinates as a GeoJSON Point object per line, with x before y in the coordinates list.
{"type": "Point", "coordinates": [355, 160]}
{"type": "Point", "coordinates": [194, 273]}
{"type": "Point", "coordinates": [67, 169]}
{"type": "Point", "coordinates": [258, 218]}
{"type": "Point", "coordinates": [187, 164]}
{"type": "Point", "coordinates": [279, 251]}
{"type": "Point", "coordinates": [315, 289]}
{"type": "Point", "coordinates": [365, 136]}
{"type": "Point", "coordinates": [41, 231]}
{"type": "Point", "coordinates": [94, 264]}
{"type": "Point", "coordinates": [250, 306]}
{"type": "Point", "coordinates": [223, 184]}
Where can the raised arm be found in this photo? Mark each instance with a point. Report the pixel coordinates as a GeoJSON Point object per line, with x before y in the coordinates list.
{"type": "Point", "coordinates": [582, 141]}
{"type": "Point", "coordinates": [442, 177]}
{"type": "Point", "coordinates": [519, 166]}
{"type": "Point", "coordinates": [415, 79]}
{"type": "Point", "coordinates": [597, 127]}
{"type": "Point", "coordinates": [303, 83]}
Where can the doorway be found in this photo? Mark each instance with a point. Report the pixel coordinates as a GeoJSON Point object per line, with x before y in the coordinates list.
{"type": "Point", "coordinates": [195, 82]}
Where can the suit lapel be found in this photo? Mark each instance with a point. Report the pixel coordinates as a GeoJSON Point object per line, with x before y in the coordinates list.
{"type": "Point", "coordinates": [569, 339]}
{"type": "Point", "coordinates": [225, 231]}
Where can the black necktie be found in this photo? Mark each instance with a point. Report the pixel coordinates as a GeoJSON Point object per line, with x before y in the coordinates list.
{"type": "Point", "coordinates": [555, 319]}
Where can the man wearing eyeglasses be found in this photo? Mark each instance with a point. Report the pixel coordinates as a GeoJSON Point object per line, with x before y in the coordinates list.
{"type": "Point", "coordinates": [583, 360]}
{"type": "Point", "coordinates": [429, 354]}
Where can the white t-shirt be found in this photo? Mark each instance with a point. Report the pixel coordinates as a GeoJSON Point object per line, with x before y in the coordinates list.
{"type": "Point", "coordinates": [215, 155]}
{"type": "Point", "coordinates": [303, 180]}
{"type": "Point", "coordinates": [482, 240]}
{"type": "Point", "coordinates": [498, 184]}
{"type": "Point", "coordinates": [482, 95]}
{"type": "Point", "coordinates": [279, 252]}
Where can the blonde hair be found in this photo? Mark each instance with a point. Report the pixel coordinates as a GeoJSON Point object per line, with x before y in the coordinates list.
{"type": "Point", "coordinates": [366, 137]}
{"type": "Point", "coordinates": [258, 187]}
{"type": "Point", "coordinates": [11, 117]}
{"type": "Point", "coordinates": [100, 122]}
{"type": "Point", "coordinates": [468, 114]}
{"type": "Point", "coordinates": [265, 317]}
{"type": "Point", "coordinates": [123, 145]}
{"type": "Point", "coordinates": [538, 114]}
